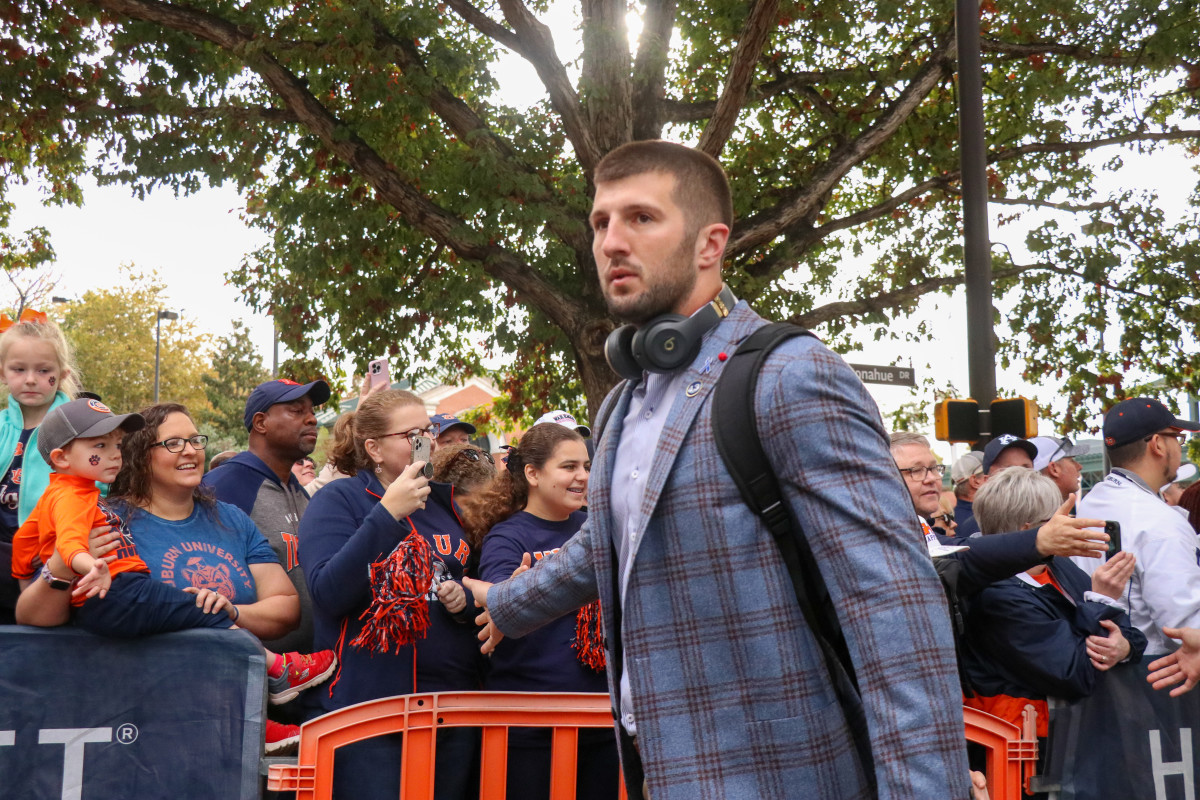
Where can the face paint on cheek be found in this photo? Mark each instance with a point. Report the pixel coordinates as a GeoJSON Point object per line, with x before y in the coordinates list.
{"type": "Point", "coordinates": [53, 381]}
{"type": "Point", "coordinates": [94, 461]}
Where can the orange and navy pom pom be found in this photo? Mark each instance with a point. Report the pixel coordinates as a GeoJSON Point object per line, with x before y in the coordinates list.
{"type": "Point", "coordinates": [589, 636]}
{"type": "Point", "coordinates": [399, 611]}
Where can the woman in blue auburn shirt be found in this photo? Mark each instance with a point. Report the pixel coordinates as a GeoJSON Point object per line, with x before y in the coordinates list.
{"type": "Point", "coordinates": [361, 540]}
{"type": "Point", "coordinates": [530, 510]}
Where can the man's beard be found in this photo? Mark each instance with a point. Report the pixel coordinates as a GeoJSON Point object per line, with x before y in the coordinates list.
{"type": "Point", "coordinates": [674, 280]}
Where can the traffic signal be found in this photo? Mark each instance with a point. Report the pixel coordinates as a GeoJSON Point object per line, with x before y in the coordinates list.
{"type": "Point", "coordinates": [956, 421]}
{"type": "Point", "coordinates": [1017, 415]}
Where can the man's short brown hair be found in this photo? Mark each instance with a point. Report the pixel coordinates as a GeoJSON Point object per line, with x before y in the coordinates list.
{"type": "Point", "coordinates": [701, 188]}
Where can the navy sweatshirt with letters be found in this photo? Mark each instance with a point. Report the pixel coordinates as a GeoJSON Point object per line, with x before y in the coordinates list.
{"type": "Point", "coordinates": [542, 661]}
{"type": "Point", "coordinates": [344, 530]}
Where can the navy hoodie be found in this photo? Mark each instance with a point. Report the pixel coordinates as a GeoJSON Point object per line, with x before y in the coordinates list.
{"type": "Point", "coordinates": [343, 532]}
{"type": "Point", "coordinates": [542, 661]}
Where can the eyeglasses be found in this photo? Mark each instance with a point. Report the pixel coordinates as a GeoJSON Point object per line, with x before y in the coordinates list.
{"type": "Point", "coordinates": [175, 443]}
{"type": "Point", "coordinates": [1179, 436]}
{"type": "Point", "coordinates": [475, 455]}
{"type": "Point", "coordinates": [427, 431]}
{"type": "Point", "coordinates": [919, 474]}
{"type": "Point", "coordinates": [946, 517]}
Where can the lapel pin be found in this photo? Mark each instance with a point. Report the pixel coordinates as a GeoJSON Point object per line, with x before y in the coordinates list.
{"type": "Point", "coordinates": [707, 368]}
{"type": "Point", "coordinates": [692, 389]}
{"type": "Point", "coordinates": [722, 356]}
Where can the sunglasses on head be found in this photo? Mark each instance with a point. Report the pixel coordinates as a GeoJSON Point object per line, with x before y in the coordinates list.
{"type": "Point", "coordinates": [475, 455]}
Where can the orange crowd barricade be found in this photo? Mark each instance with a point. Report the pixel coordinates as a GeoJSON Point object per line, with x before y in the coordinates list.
{"type": "Point", "coordinates": [1012, 752]}
{"type": "Point", "coordinates": [419, 716]}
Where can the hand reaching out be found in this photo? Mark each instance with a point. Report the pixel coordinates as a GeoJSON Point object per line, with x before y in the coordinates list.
{"type": "Point", "coordinates": [1068, 536]}
{"type": "Point", "coordinates": [1182, 665]}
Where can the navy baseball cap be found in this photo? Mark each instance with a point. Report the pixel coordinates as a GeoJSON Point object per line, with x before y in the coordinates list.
{"type": "Point", "coordinates": [445, 422]}
{"type": "Point", "coordinates": [1001, 443]}
{"type": "Point", "coordinates": [1139, 417]}
{"type": "Point", "coordinates": [282, 390]}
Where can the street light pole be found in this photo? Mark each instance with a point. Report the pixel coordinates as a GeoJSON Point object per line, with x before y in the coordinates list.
{"type": "Point", "coordinates": [158, 318]}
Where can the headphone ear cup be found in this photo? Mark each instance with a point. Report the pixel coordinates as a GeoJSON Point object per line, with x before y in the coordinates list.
{"type": "Point", "coordinates": [618, 351]}
{"type": "Point", "coordinates": [664, 344]}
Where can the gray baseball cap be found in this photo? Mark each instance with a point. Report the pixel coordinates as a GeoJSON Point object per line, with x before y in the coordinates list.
{"type": "Point", "coordinates": [81, 419]}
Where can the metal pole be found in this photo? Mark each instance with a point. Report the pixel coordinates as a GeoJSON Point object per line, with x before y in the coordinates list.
{"type": "Point", "coordinates": [977, 257]}
{"type": "Point", "coordinates": [157, 332]}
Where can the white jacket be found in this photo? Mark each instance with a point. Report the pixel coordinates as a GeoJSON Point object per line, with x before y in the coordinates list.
{"type": "Point", "coordinates": [1165, 588]}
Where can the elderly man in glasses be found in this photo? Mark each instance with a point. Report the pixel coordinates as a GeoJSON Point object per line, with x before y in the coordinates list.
{"type": "Point", "coordinates": [1145, 441]}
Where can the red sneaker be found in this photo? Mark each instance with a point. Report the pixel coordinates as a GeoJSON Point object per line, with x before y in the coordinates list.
{"type": "Point", "coordinates": [281, 739]}
{"type": "Point", "coordinates": [299, 673]}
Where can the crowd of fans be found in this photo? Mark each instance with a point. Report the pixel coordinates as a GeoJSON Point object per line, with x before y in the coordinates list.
{"type": "Point", "coordinates": [350, 572]}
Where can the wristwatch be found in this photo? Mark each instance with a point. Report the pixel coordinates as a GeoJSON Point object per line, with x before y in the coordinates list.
{"type": "Point", "coordinates": [54, 582]}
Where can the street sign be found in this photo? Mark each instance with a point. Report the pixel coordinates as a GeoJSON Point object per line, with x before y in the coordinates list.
{"type": "Point", "coordinates": [893, 376]}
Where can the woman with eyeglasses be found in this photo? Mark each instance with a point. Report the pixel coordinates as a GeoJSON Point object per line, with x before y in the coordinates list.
{"type": "Point", "coordinates": [192, 541]}
{"type": "Point", "coordinates": [526, 514]}
{"type": "Point", "coordinates": [384, 554]}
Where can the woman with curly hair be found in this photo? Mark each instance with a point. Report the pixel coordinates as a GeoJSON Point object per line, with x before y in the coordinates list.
{"type": "Point", "coordinates": [526, 514]}
{"type": "Point", "coordinates": [384, 554]}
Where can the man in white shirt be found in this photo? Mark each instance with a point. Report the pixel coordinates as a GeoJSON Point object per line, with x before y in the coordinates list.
{"type": "Point", "coordinates": [1145, 446]}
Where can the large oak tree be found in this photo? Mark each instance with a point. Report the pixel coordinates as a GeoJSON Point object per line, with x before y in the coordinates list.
{"type": "Point", "coordinates": [410, 204]}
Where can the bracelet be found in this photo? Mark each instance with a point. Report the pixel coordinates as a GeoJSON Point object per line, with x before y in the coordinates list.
{"type": "Point", "coordinates": [237, 613]}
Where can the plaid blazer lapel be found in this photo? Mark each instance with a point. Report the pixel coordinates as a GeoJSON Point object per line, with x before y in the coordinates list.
{"type": "Point", "coordinates": [698, 383]}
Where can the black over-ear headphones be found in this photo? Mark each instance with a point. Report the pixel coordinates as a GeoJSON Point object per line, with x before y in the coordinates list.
{"type": "Point", "coordinates": [665, 343]}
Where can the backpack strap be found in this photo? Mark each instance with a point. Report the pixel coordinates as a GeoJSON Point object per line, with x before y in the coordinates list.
{"type": "Point", "coordinates": [735, 429]}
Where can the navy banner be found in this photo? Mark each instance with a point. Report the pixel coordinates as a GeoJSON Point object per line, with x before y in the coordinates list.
{"type": "Point", "coordinates": [170, 716]}
{"type": "Point", "coordinates": [1125, 741]}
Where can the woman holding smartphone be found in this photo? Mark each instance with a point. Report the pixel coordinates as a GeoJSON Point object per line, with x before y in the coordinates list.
{"type": "Point", "coordinates": [362, 541]}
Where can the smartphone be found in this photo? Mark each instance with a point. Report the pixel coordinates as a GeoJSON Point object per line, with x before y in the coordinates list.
{"type": "Point", "coordinates": [1113, 529]}
{"type": "Point", "coordinates": [422, 448]}
{"type": "Point", "coordinates": [380, 372]}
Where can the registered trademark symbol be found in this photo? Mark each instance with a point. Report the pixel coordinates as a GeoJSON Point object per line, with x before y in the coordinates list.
{"type": "Point", "coordinates": [127, 733]}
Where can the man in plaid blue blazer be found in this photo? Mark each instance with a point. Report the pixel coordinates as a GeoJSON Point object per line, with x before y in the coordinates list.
{"type": "Point", "coordinates": [720, 690]}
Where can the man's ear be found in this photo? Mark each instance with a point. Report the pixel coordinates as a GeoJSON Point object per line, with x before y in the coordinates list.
{"type": "Point", "coordinates": [710, 245]}
{"type": "Point", "coordinates": [258, 423]}
{"type": "Point", "coordinates": [58, 459]}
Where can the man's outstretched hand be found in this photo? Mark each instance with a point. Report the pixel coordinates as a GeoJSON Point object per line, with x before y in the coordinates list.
{"type": "Point", "coordinates": [490, 635]}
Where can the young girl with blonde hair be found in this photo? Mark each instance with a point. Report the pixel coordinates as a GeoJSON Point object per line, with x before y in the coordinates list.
{"type": "Point", "coordinates": [36, 362]}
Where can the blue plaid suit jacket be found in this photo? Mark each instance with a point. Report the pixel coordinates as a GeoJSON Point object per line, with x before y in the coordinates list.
{"type": "Point", "coordinates": [730, 692]}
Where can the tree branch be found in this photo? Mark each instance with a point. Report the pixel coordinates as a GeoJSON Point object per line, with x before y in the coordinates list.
{"type": "Point", "coordinates": [540, 47]}
{"type": "Point", "coordinates": [761, 21]}
{"type": "Point", "coordinates": [1029, 201]}
{"type": "Point", "coordinates": [678, 111]}
{"type": "Point", "coordinates": [607, 93]}
{"type": "Point", "coordinates": [1026, 49]}
{"type": "Point", "coordinates": [887, 300]}
{"type": "Point", "coordinates": [808, 199]}
{"type": "Point", "coordinates": [473, 131]}
{"type": "Point", "coordinates": [650, 68]}
{"type": "Point", "coordinates": [417, 210]}
{"type": "Point", "coordinates": [490, 28]}
{"type": "Point", "coordinates": [1091, 144]}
